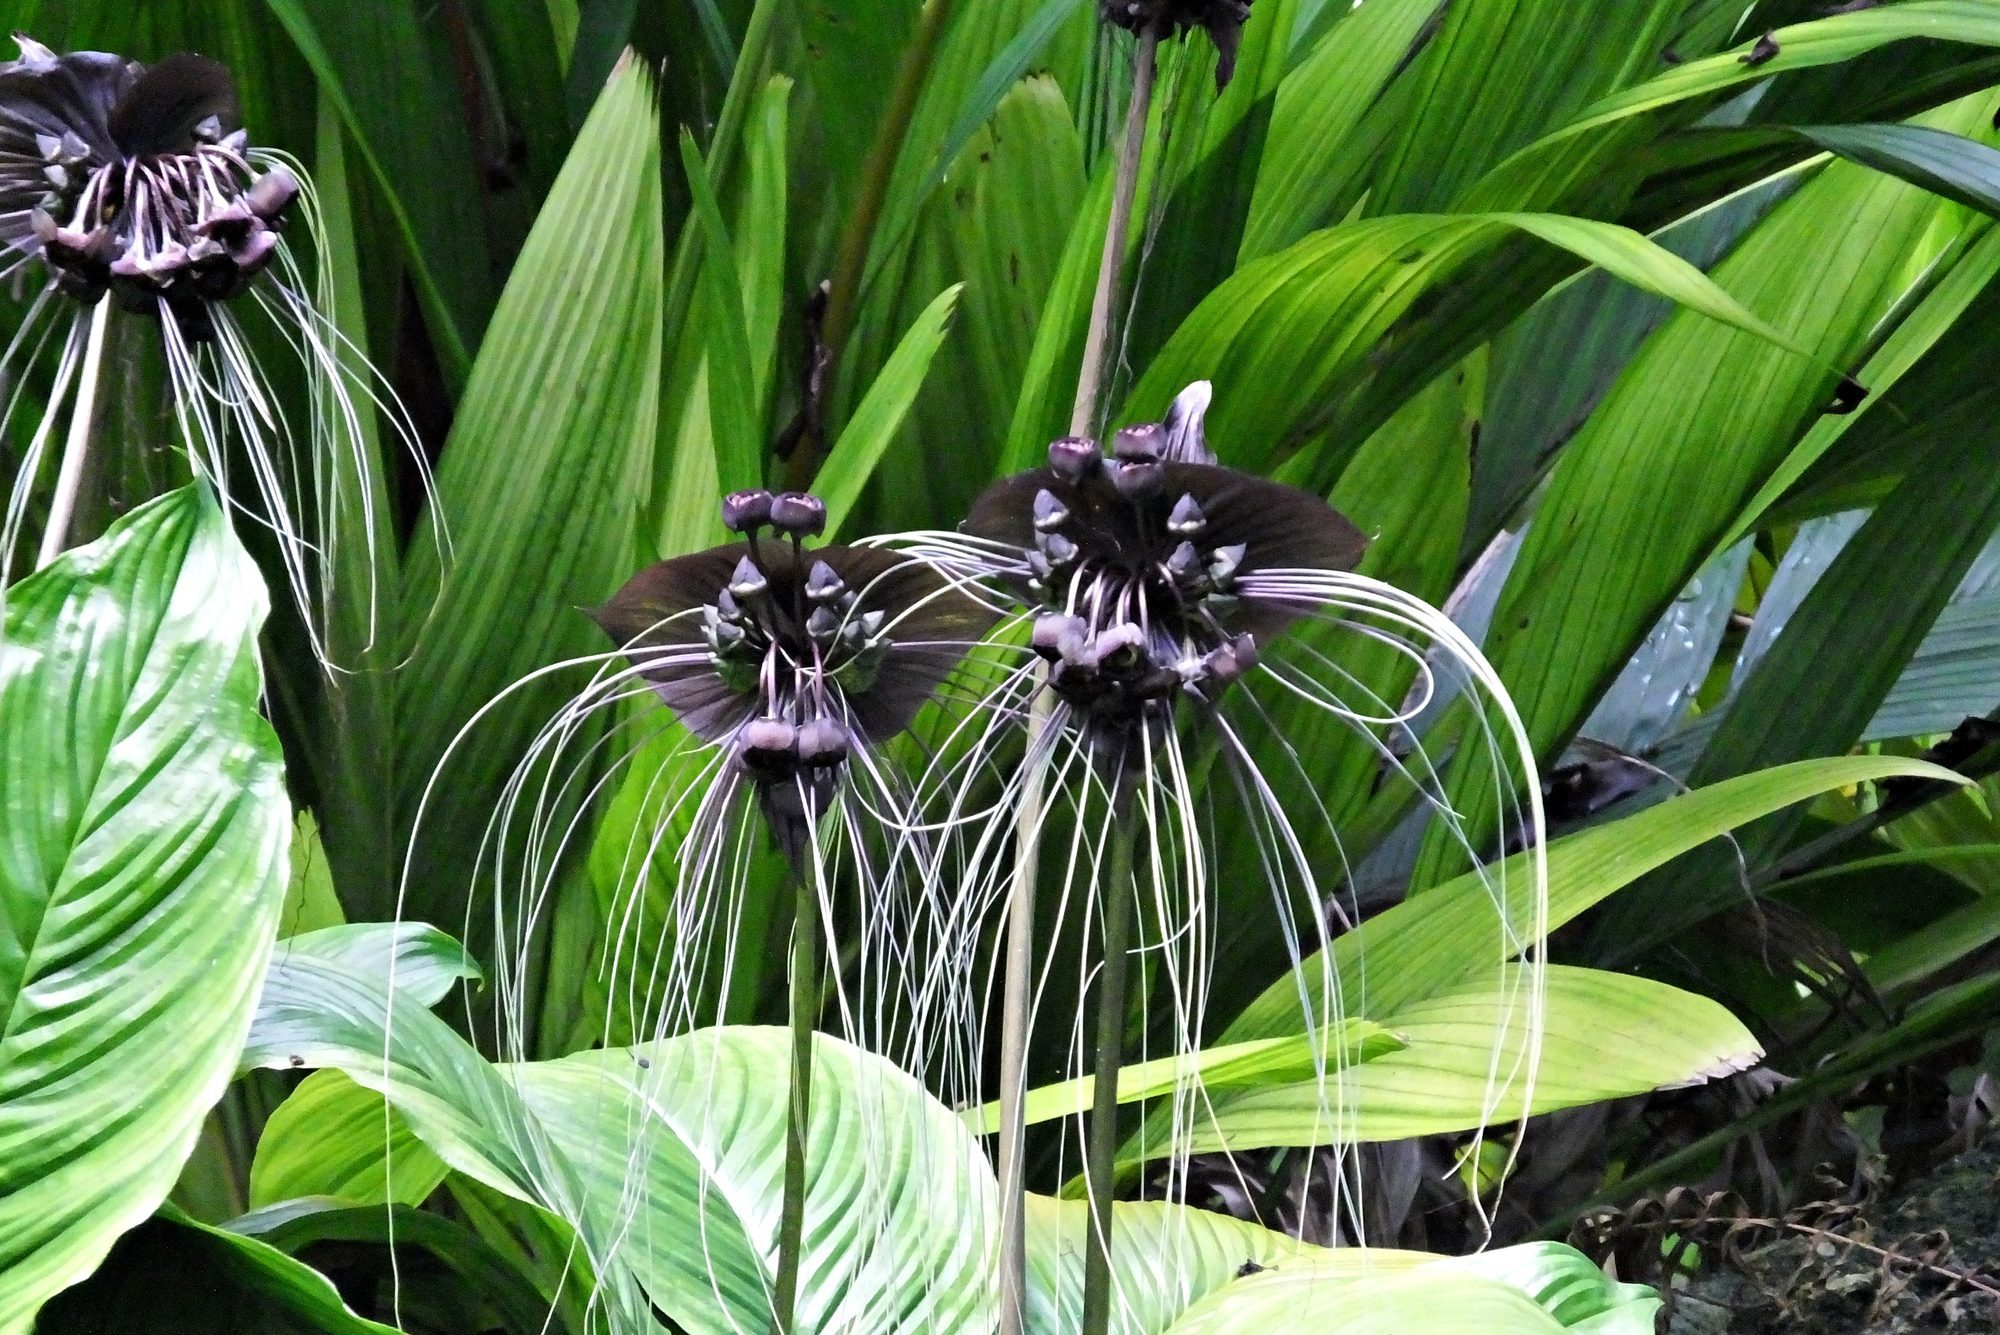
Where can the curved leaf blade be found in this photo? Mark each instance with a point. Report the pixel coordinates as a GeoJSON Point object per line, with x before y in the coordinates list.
{"type": "Point", "coordinates": [143, 848]}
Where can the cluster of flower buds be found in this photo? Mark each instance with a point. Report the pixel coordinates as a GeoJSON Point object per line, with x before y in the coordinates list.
{"type": "Point", "coordinates": [147, 205]}
{"type": "Point", "coordinates": [1223, 19]}
{"type": "Point", "coordinates": [1137, 589]}
{"type": "Point", "coordinates": [785, 628]}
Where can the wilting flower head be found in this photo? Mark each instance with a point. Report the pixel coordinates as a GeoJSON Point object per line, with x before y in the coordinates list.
{"type": "Point", "coordinates": [136, 179]}
{"type": "Point", "coordinates": [1224, 20]}
{"type": "Point", "coordinates": [138, 184]}
{"type": "Point", "coordinates": [791, 659]}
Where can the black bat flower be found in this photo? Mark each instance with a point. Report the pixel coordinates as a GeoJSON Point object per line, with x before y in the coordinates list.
{"type": "Point", "coordinates": [136, 179]}
{"type": "Point", "coordinates": [1223, 20]}
{"type": "Point", "coordinates": [1202, 633]}
{"type": "Point", "coordinates": [790, 658]}
{"type": "Point", "coordinates": [136, 188]}
{"type": "Point", "coordinates": [1144, 566]}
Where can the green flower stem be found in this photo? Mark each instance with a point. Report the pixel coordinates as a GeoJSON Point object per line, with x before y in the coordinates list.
{"type": "Point", "coordinates": [1018, 988]}
{"type": "Point", "coordinates": [76, 451]}
{"type": "Point", "coordinates": [1019, 980]}
{"type": "Point", "coordinates": [1090, 378]}
{"type": "Point", "coordinates": [804, 1009]}
{"type": "Point", "coordinates": [1101, 1154]}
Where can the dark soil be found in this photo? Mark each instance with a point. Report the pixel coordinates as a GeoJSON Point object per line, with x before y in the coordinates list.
{"type": "Point", "coordinates": [1880, 1276]}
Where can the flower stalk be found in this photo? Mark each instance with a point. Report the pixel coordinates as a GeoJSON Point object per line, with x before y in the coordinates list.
{"type": "Point", "coordinates": [1018, 982]}
{"type": "Point", "coordinates": [798, 1118]}
{"type": "Point", "coordinates": [76, 449]}
{"type": "Point", "coordinates": [1101, 1154]}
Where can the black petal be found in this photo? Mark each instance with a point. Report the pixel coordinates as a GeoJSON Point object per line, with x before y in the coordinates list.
{"type": "Point", "coordinates": [928, 624]}
{"type": "Point", "coordinates": [46, 94]}
{"type": "Point", "coordinates": [160, 112]}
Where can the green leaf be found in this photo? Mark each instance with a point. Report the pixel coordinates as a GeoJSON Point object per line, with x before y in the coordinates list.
{"type": "Point", "coordinates": [1285, 333]}
{"type": "Point", "coordinates": [1680, 446]}
{"type": "Point", "coordinates": [1163, 1256]}
{"type": "Point", "coordinates": [732, 399]}
{"type": "Point", "coordinates": [174, 1267]}
{"type": "Point", "coordinates": [1539, 174]}
{"type": "Point", "coordinates": [1919, 542]}
{"type": "Point", "coordinates": [310, 901]}
{"type": "Point", "coordinates": [1317, 150]}
{"type": "Point", "coordinates": [1264, 1061]}
{"type": "Point", "coordinates": [1473, 1056]}
{"type": "Point", "coordinates": [1449, 936]}
{"type": "Point", "coordinates": [853, 49]}
{"type": "Point", "coordinates": [899, 1199]}
{"type": "Point", "coordinates": [1507, 71]}
{"type": "Point", "coordinates": [315, 1013]}
{"type": "Point", "coordinates": [851, 463]}
{"type": "Point", "coordinates": [1946, 164]}
{"type": "Point", "coordinates": [540, 488]}
{"type": "Point", "coordinates": [488, 1281]}
{"type": "Point", "coordinates": [378, 67]}
{"type": "Point", "coordinates": [1533, 1290]}
{"type": "Point", "coordinates": [414, 958]}
{"type": "Point", "coordinates": [143, 840]}
{"type": "Point", "coordinates": [327, 1139]}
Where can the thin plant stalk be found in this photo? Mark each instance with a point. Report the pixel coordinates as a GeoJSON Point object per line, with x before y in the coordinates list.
{"type": "Point", "coordinates": [76, 450]}
{"type": "Point", "coordinates": [798, 1119]}
{"type": "Point", "coordinates": [1018, 985]}
{"type": "Point", "coordinates": [1100, 1165]}
{"type": "Point", "coordinates": [1019, 980]}
{"type": "Point", "coordinates": [1097, 345]}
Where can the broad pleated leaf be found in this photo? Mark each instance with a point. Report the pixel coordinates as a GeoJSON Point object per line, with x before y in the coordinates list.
{"type": "Point", "coordinates": [143, 839]}
{"type": "Point", "coordinates": [900, 1206]}
{"type": "Point", "coordinates": [1473, 1296]}
{"type": "Point", "coordinates": [541, 486]}
{"type": "Point", "coordinates": [327, 1138]}
{"type": "Point", "coordinates": [319, 1014]}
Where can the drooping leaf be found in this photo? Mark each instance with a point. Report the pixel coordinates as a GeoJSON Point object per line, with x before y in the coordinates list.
{"type": "Point", "coordinates": [1263, 1061]}
{"type": "Point", "coordinates": [143, 839]}
{"type": "Point", "coordinates": [1287, 332]}
{"type": "Point", "coordinates": [328, 1139]}
{"type": "Point", "coordinates": [1472, 1056]}
{"type": "Point", "coordinates": [1452, 934]}
{"type": "Point", "coordinates": [174, 1267]}
{"type": "Point", "coordinates": [1677, 449]}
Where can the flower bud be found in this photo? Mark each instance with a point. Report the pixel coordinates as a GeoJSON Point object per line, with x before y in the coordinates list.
{"type": "Point", "coordinates": [798, 515]}
{"type": "Point", "coordinates": [1074, 458]}
{"type": "Point", "coordinates": [746, 511]}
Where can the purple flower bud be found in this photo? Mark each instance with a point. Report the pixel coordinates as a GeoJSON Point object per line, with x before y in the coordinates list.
{"type": "Point", "coordinates": [747, 581]}
{"type": "Point", "coordinates": [271, 194]}
{"type": "Point", "coordinates": [1136, 480]}
{"type": "Point", "coordinates": [822, 744]}
{"type": "Point", "coordinates": [1050, 513]}
{"type": "Point", "coordinates": [1145, 443]}
{"type": "Point", "coordinates": [798, 515]}
{"type": "Point", "coordinates": [746, 511]}
{"type": "Point", "coordinates": [1187, 519]}
{"type": "Point", "coordinates": [1074, 458]}
{"type": "Point", "coordinates": [823, 585]}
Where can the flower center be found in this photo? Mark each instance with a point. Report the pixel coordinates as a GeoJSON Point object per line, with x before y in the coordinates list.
{"type": "Point", "coordinates": [1136, 589]}
{"type": "Point", "coordinates": [186, 227]}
